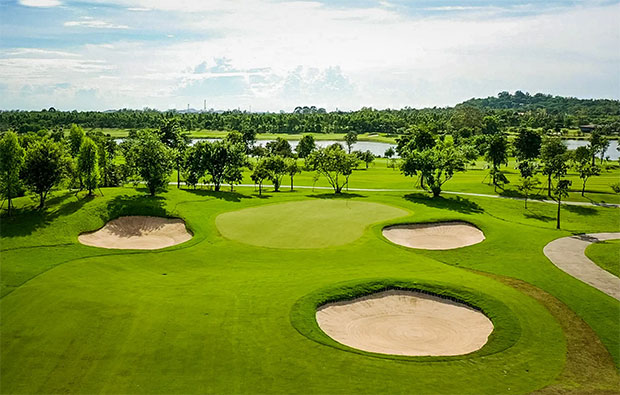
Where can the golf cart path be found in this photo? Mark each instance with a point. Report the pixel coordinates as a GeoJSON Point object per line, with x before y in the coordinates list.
{"type": "Point", "coordinates": [568, 254]}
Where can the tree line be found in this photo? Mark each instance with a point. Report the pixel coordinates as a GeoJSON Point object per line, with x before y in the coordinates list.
{"type": "Point", "coordinates": [552, 113]}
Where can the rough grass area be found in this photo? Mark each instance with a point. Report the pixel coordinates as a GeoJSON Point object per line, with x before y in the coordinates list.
{"type": "Point", "coordinates": [316, 223]}
{"type": "Point", "coordinates": [213, 315]}
{"type": "Point", "coordinates": [606, 254]}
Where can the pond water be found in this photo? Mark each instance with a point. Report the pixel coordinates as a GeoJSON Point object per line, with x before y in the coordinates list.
{"type": "Point", "coordinates": [378, 149]}
{"type": "Point", "coordinates": [612, 151]}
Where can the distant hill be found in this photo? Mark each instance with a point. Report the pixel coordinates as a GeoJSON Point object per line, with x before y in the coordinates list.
{"type": "Point", "coordinates": [552, 104]}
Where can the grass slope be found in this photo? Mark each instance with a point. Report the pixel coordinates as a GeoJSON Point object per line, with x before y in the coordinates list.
{"type": "Point", "coordinates": [213, 315]}
{"type": "Point", "coordinates": [606, 254]}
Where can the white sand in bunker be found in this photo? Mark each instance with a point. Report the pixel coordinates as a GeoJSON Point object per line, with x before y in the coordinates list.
{"type": "Point", "coordinates": [434, 236]}
{"type": "Point", "coordinates": [138, 233]}
{"type": "Point", "coordinates": [405, 323]}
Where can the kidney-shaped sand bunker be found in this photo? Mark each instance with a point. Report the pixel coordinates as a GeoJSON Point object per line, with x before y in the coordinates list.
{"type": "Point", "coordinates": [401, 322]}
{"type": "Point", "coordinates": [138, 233]}
{"type": "Point", "coordinates": [316, 223]}
{"type": "Point", "coordinates": [434, 236]}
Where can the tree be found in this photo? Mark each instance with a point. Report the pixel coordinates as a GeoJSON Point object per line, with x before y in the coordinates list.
{"type": "Point", "coordinates": [193, 165]}
{"type": "Point", "coordinates": [306, 146]}
{"type": "Point", "coordinates": [435, 166]}
{"type": "Point", "coordinates": [88, 165]}
{"type": "Point", "coordinates": [527, 144]}
{"type": "Point", "coordinates": [76, 135]}
{"type": "Point", "coordinates": [490, 125]}
{"type": "Point", "coordinates": [552, 155]}
{"type": "Point", "coordinates": [350, 138]}
{"type": "Point", "coordinates": [389, 152]}
{"type": "Point", "coordinates": [259, 174]}
{"type": "Point", "coordinates": [222, 161]}
{"type": "Point", "coordinates": [280, 147]}
{"type": "Point", "coordinates": [497, 155]}
{"type": "Point", "coordinates": [276, 169]}
{"type": "Point", "coordinates": [43, 168]}
{"type": "Point", "coordinates": [584, 167]}
{"type": "Point", "coordinates": [561, 191]}
{"type": "Point", "coordinates": [598, 144]}
{"type": "Point", "coordinates": [418, 138]}
{"type": "Point", "coordinates": [367, 157]}
{"type": "Point", "coordinates": [333, 163]}
{"type": "Point", "coordinates": [151, 159]}
{"type": "Point", "coordinates": [292, 168]}
{"type": "Point", "coordinates": [174, 137]}
{"type": "Point", "coordinates": [527, 185]}
{"type": "Point", "coordinates": [11, 161]}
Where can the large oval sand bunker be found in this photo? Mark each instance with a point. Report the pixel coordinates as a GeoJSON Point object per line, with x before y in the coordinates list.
{"type": "Point", "coordinates": [405, 323]}
{"type": "Point", "coordinates": [434, 236]}
{"type": "Point", "coordinates": [138, 233]}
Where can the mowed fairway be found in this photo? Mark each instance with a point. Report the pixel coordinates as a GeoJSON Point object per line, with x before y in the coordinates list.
{"type": "Point", "coordinates": [305, 224]}
{"type": "Point", "coordinates": [218, 314]}
{"type": "Point", "coordinates": [606, 254]}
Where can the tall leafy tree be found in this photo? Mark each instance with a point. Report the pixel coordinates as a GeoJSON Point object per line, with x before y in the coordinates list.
{"type": "Point", "coordinates": [88, 165]}
{"type": "Point", "coordinates": [553, 158]}
{"type": "Point", "coordinates": [280, 147]}
{"type": "Point", "coordinates": [172, 134]}
{"type": "Point", "coordinates": [434, 167]}
{"type": "Point", "coordinates": [11, 161]}
{"type": "Point", "coordinates": [497, 155]}
{"type": "Point", "coordinates": [560, 191]}
{"type": "Point", "coordinates": [43, 168]}
{"type": "Point", "coordinates": [220, 159]}
{"type": "Point", "coordinates": [333, 163]}
{"type": "Point", "coordinates": [527, 144]}
{"type": "Point", "coordinates": [276, 168]}
{"type": "Point", "coordinates": [583, 166]}
{"type": "Point", "coordinates": [151, 159]}
{"type": "Point", "coordinates": [260, 174]}
{"type": "Point", "coordinates": [598, 144]}
{"type": "Point", "coordinates": [292, 169]}
{"type": "Point", "coordinates": [76, 135]}
{"type": "Point", "coordinates": [350, 138]}
{"type": "Point", "coordinates": [306, 146]}
{"type": "Point", "coordinates": [193, 165]}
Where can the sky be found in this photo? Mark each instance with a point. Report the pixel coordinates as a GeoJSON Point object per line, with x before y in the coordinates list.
{"type": "Point", "coordinates": [275, 55]}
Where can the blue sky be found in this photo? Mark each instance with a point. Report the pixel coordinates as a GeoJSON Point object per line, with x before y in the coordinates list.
{"type": "Point", "coordinates": [272, 55]}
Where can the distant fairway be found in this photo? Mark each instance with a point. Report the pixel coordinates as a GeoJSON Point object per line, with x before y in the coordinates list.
{"type": "Point", "coordinates": [304, 224]}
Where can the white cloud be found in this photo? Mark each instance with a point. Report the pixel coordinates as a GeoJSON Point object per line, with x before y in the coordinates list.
{"type": "Point", "coordinates": [40, 3]}
{"type": "Point", "coordinates": [349, 57]}
{"type": "Point", "coordinates": [94, 23]}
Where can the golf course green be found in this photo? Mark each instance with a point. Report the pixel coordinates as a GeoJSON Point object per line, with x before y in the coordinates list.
{"type": "Point", "coordinates": [233, 309]}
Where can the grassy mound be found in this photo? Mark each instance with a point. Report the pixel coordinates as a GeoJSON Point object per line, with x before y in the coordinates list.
{"type": "Point", "coordinates": [304, 224]}
{"type": "Point", "coordinates": [606, 254]}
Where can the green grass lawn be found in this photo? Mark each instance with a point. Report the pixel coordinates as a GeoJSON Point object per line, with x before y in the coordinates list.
{"type": "Point", "coordinates": [227, 313]}
{"type": "Point", "coordinates": [606, 254]}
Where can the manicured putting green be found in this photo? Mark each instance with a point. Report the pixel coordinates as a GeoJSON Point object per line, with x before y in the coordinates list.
{"type": "Point", "coordinates": [304, 224]}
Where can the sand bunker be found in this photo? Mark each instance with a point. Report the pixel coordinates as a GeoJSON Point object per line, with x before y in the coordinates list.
{"type": "Point", "coordinates": [405, 323]}
{"type": "Point", "coordinates": [138, 233]}
{"type": "Point", "coordinates": [434, 236]}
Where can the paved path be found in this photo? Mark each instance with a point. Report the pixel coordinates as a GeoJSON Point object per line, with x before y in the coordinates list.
{"type": "Point", "coordinates": [568, 253]}
{"type": "Point", "coordinates": [284, 187]}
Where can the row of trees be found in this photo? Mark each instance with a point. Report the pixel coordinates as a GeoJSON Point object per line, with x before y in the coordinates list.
{"type": "Point", "coordinates": [510, 110]}
{"type": "Point", "coordinates": [88, 161]}
{"type": "Point", "coordinates": [435, 160]}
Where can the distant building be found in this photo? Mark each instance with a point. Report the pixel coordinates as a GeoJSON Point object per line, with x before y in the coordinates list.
{"type": "Point", "coordinates": [587, 128]}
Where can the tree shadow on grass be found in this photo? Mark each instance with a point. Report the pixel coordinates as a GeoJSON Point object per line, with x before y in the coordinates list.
{"type": "Point", "coordinates": [222, 195]}
{"type": "Point", "coordinates": [335, 196]}
{"type": "Point", "coordinates": [124, 205]}
{"type": "Point", "coordinates": [457, 203]}
{"type": "Point", "coordinates": [580, 210]}
{"type": "Point", "coordinates": [541, 217]}
{"type": "Point", "coordinates": [25, 221]}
